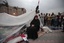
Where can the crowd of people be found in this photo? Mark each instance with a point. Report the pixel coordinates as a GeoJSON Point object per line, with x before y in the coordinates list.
{"type": "Point", "coordinates": [52, 19]}
{"type": "Point", "coordinates": [47, 20]}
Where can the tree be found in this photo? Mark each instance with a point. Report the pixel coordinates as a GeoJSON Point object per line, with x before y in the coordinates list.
{"type": "Point", "coordinates": [6, 3]}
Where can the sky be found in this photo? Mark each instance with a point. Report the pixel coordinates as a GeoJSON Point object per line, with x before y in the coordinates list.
{"type": "Point", "coordinates": [44, 5]}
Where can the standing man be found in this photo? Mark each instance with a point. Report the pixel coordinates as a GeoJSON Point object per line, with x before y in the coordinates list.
{"type": "Point", "coordinates": [63, 23]}
{"type": "Point", "coordinates": [37, 7]}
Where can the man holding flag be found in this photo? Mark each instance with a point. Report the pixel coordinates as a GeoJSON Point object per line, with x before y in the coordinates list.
{"type": "Point", "coordinates": [37, 8]}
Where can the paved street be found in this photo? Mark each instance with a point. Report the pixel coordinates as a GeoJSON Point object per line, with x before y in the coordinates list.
{"type": "Point", "coordinates": [55, 37]}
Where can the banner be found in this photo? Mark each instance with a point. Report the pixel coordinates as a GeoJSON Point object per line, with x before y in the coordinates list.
{"type": "Point", "coordinates": [9, 20]}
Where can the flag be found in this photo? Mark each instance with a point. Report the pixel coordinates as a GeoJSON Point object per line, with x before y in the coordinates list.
{"type": "Point", "coordinates": [38, 2]}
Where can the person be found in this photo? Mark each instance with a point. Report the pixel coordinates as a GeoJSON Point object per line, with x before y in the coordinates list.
{"type": "Point", "coordinates": [52, 21]}
{"type": "Point", "coordinates": [63, 22]}
{"type": "Point", "coordinates": [42, 18]}
{"type": "Point", "coordinates": [56, 21]}
{"type": "Point", "coordinates": [37, 9]}
{"type": "Point", "coordinates": [32, 32]}
{"type": "Point", "coordinates": [36, 22]}
{"type": "Point", "coordinates": [63, 26]}
{"type": "Point", "coordinates": [49, 20]}
{"type": "Point", "coordinates": [59, 19]}
{"type": "Point", "coordinates": [45, 19]}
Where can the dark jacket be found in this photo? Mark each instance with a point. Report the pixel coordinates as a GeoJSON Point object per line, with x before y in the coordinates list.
{"type": "Point", "coordinates": [32, 33]}
{"type": "Point", "coordinates": [36, 23]}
